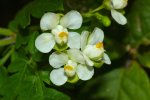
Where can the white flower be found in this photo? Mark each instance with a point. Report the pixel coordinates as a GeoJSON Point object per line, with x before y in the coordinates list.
{"type": "Point", "coordinates": [92, 47]}
{"type": "Point", "coordinates": [71, 68]}
{"type": "Point", "coordinates": [119, 4]}
{"type": "Point", "coordinates": [59, 32]}
{"type": "Point", "coordinates": [118, 17]}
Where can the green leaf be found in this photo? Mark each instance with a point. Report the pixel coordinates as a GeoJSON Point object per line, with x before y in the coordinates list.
{"type": "Point", "coordinates": [144, 59]}
{"type": "Point", "coordinates": [139, 22]}
{"type": "Point", "coordinates": [36, 9]}
{"type": "Point", "coordinates": [3, 75]}
{"type": "Point", "coordinates": [44, 75]}
{"type": "Point", "coordinates": [37, 56]}
{"type": "Point", "coordinates": [21, 40]}
{"type": "Point", "coordinates": [120, 84]}
{"type": "Point", "coordinates": [52, 94]}
{"type": "Point", "coordinates": [18, 56]}
{"type": "Point", "coordinates": [31, 43]}
{"type": "Point", "coordinates": [26, 83]}
{"type": "Point", "coordinates": [17, 65]}
{"type": "Point", "coordinates": [29, 88]}
{"type": "Point", "coordinates": [35, 90]}
{"type": "Point", "coordinates": [39, 7]}
{"type": "Point", "coordinates": [16, 82]}
{"type": "Point", "coordinates": [19, 61]}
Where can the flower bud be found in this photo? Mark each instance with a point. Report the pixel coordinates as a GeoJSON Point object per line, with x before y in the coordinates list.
{"type": "Point", "coordinates": [106, 21]}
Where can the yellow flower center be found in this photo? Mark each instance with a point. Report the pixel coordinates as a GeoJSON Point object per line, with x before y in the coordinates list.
{"type": "Point", "coordinates": [63, 34]}
{"type": "Point", "coordinates": [67, 67]}
{"type": "Point", "coordinates": [99, 45]}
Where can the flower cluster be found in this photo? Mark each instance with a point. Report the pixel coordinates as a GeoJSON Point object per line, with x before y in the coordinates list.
{"type": "Point", "coordinates": [75, 55]}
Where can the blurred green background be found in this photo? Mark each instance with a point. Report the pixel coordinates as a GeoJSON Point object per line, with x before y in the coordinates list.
{"type": "Point", "coordinates": [24, 72]}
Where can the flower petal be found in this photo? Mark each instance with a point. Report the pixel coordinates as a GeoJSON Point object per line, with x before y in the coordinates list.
{"type": "Point", "coordinates": [76, 55]}
{"type": "Point", "coordinates": [118, 17]}
{"type": "Point", "coordinates": [74, 40]}
{"type": "Point", "coordinates": [92, 52]}
{"type": "Point", "coordinates": [85, 72]}
{"type": "Point", "coordinates": [72, 63]}
{"type": "Point", "coordinates": [106, 59]}
{"type": "Point", "coordinates": [88, 61]}
{"type": "Point", "coordinates": [45, 42]}
{"type": "Point", "coordinates": [96, 36]}
{"type": "Point", "coordinates": [84, 38]}
{"type": "Point", "coordinates": [49, 21]}
{"type": "Point", "coordinates": [71, 20]}
{"type": "Point", "coordinates": [57, 59]}
{"type": "Point", "coordinates": [119, 4]}
{"type": "Point", "coordinates": [58, 77]}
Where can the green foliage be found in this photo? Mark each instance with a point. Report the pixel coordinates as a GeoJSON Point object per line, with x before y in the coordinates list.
{"type": "Point", "coordinates": [26, 83]}
{"type": "Point", "coordinates": [31, 43]}
{"type": "Point", "coordinates": [120, 84]}
{"type": "Point", "coordinates": [139, 22]}
{"type": "Point", "coordinates": [145, 59]}
{"type": "Point", "coordinates": [36, 9]}
{"type": "Point", "coordinates": [3, 75]}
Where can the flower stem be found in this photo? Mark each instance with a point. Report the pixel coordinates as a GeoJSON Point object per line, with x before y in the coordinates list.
{"type": "Point", "coordinates": [5, 58]}
{"type": "Point", "coordinates": [7, 40]}
{"type": "Point", "coordinates": [6, 32]}
{"type": "Point", "coordinates": [91, 13]}
{"type": "Point", "coordinates": [97, 9]}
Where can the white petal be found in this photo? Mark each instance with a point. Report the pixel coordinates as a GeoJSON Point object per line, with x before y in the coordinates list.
{"type": "Point", "coordinates": [118, 17]}
{"type": "Point", "coordinates": [58, 77]}
{"type": "Point", "coordinates": [45, 42]}
{"type": "Point", "coordinates": [84, 38]}
{"type": "Point", "coordinates": [76, 55]}
{"type": "Point", "coordinates": [87, 60]}
{"type": "Point", "coordinates": [85, 72]}
{"type": "Point", "coordinates": [96, 36]}
{"type": "Point", "coordinates": [119, 4]}
{"type": "Point", "coordinates": [71, 20]}
{"type": "Point", "coordinates": [57, 60]}
{"type": "Point", "coordinates": [74, 40]}
{"type": "Point", "coordinates": [106, 59]}
{"type": "Point", "coordinates": [72, 63]}
{"type": "Point", "coordinates": [49, 21]}
{"type": "Point", "coordinates": [92, 52]}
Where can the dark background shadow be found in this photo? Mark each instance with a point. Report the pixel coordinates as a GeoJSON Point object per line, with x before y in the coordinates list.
{"type": "Point", "coordinates": [8, 10]}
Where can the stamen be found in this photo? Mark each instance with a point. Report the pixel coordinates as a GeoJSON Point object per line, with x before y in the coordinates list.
{"type": "Point", "coordinates": [70, 68]}
{"type": "Point", "coordinates": [99, 45]}
{"type": "Point", "coordinates": [63, 34]}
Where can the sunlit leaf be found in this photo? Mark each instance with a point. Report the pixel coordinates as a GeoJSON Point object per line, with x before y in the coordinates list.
{"type": "Point", "coordinates": [139, 22]}
{"type": "Point", "coordinates": [120, 84]}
